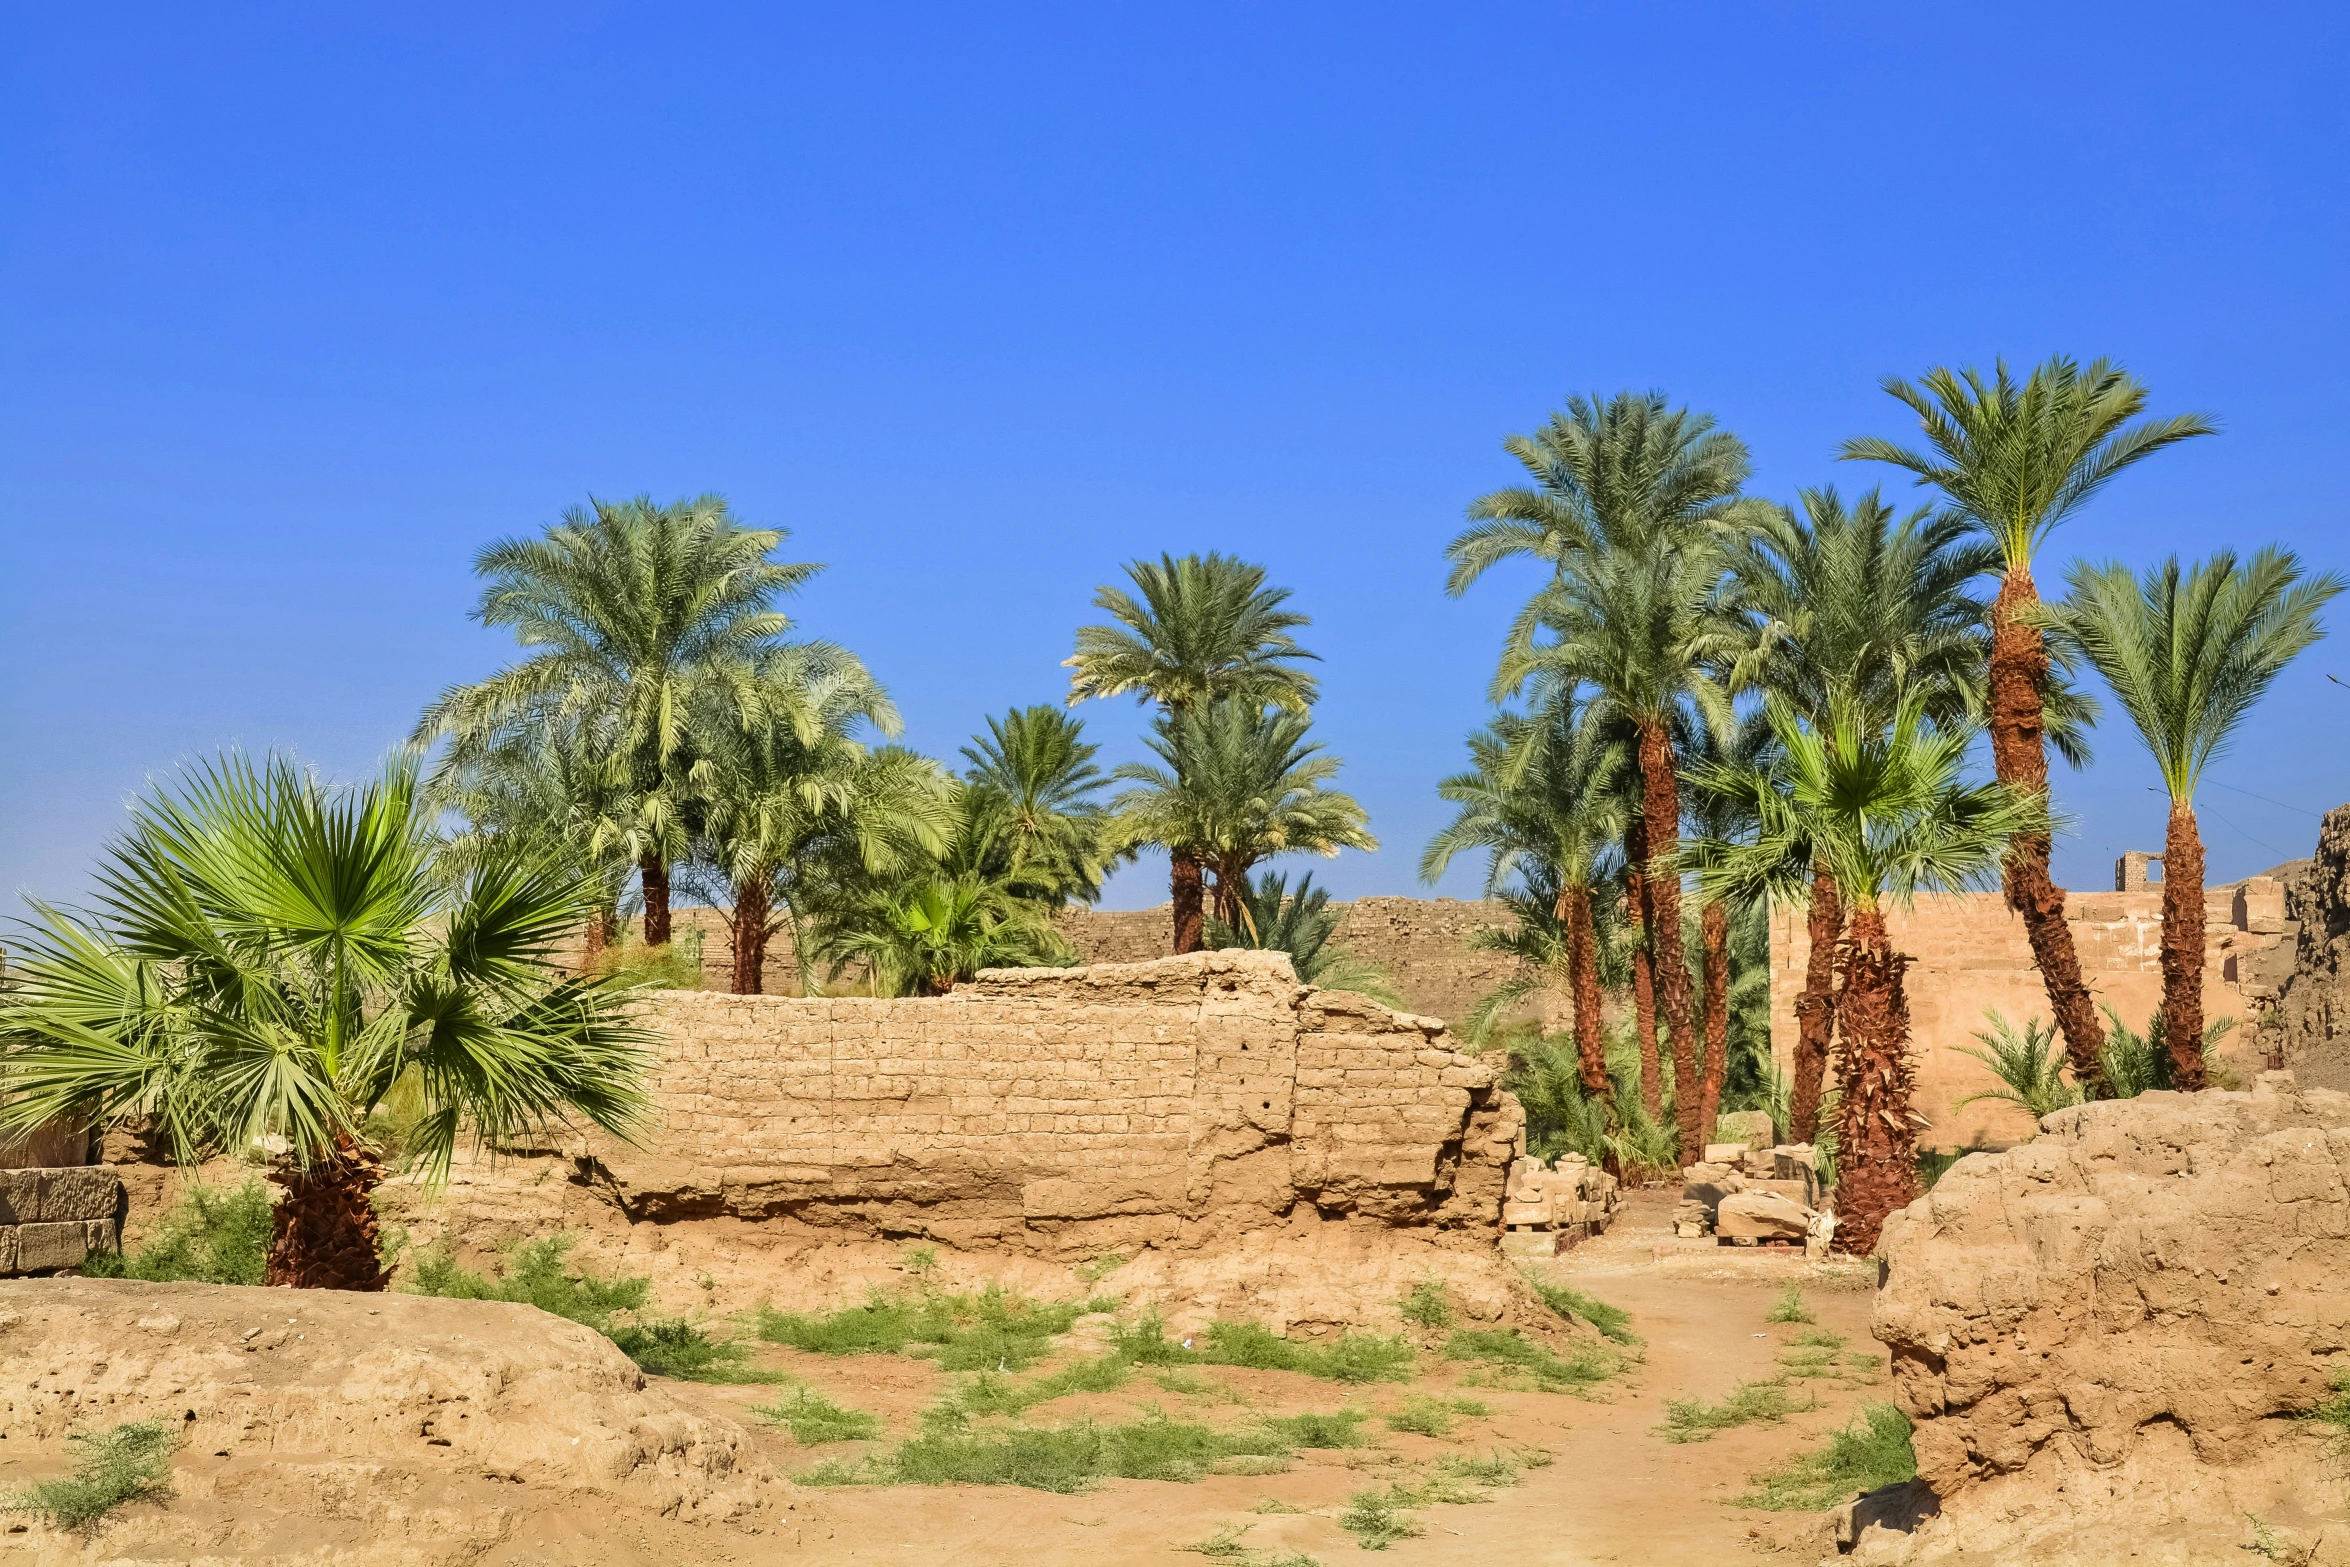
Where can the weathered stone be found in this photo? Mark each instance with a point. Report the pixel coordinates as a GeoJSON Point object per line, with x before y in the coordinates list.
{"type": "Point", "coordinates": [1761, 1215]}
{"type": "Point", "coordinates": [1724, 1153]}
{"type": "Point", "coordinates": [43, 1248]}
{"type": "Point", "coordinates": [1530, 1244]}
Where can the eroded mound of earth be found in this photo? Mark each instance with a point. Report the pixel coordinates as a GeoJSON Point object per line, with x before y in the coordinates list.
{"type": "Point", "coordinates": [2111, 1338]}
{"type": "Point", "coordinates": [340, 1430]}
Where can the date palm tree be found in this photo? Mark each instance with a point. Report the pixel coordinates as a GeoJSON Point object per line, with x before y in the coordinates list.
{"type": "Point", "coordinates": [1886, 807]}
{"type": "Point", "coordinates": [641, 617]}
{"type": "Point", "coordinates": [1299, 921]}
{"type": "Point", "coordinates": [2015, 458]}
{"type": "Point", "coordinates": [2188, 653]}
{"type": "Point", "coordinates": [928, 936]}
{"type": "Point", "coordinates": [1030, 796]}
{"type": "Point", "coordinates": [1238, 785]}
{"type": "Point", "coordinates": [1197, 629]}
{"type": "Point", "coordinates": [1629, 507]}
{"type": "Point", "coordinates": [267, 957]}
{"type": "Point", "coordinates": [1850, 599]}
{"type": "Point", "coordinates": [1545, 801]}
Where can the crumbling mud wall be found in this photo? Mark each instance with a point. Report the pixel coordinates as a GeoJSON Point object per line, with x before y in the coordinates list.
{"type": "Point", "coordinates": [1066, 1112]}
{"type": "Point", "coordinates": [2310, 1022]}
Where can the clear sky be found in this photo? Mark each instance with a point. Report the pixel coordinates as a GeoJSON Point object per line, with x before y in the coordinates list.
{"type": "Point", "coordinates": [303, 306]}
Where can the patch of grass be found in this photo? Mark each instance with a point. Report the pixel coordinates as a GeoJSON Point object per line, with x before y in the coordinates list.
{"type": "Point", "coordinates": [211, 1236]}
{"type": "Point", "coordinates": [1377, 1518]}
{"type": "Point", "coordinates": [991, 1329]}
{"type": "Point", "coordinates": [1817, 1338]}
{"type": "Point", "coordinates": [536, 1274]}
{"type": "Point", "coordinates": [1872, 1451]}
{"type": "Point", "coordinates": [1062, 1459]}
{"type": "Point", "coordinates": [1274, 1504]}
{"type": "Point", "coordinates": [815, 1420]}
{"type": "Point", "coordinates": [1225, 1546]}
{"type": "Point", "coordinates": [2333, 1410]}
{"type": "Point", "coordinates": [126, 1463]}
{"type": "Point", "coordinates": [1188, 1383]}
{"type": "Point", "coordinates": [1789, 1307]}
{"type": "Point", "coordinates": [1492, 1469]}
{"type": "Point", "coordinates": [1750, 1403]}
{"type": "Point", "coordinates": [1811, 1365]}
{"type": "Point", "coordinates": [1100, 1268]}
{"type": "Point", "coordinates": [1613, 1322]}
{"type": "Point", "coordinates": [1352, 1357]}
{"type": "Point", "coordinates": [1422, 1416]}
{"type": "Point", "coordinates": [1343, 1429]}
{"type": "Point", "coordinates": [993, 1393]}
{"type": "Point", "coordinates": [1550, 1372]}
{"type": "Point", "coordinates": [1428, 1305]}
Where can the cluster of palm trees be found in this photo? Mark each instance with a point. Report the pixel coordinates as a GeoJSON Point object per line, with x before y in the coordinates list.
{"type": "Point", "coordinates": [665, 732]}
{"type": "Point", "coordinates": [1711, 694]}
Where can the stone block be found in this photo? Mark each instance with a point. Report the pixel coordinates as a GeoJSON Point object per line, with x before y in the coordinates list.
{"type": "Point", "coordinates": [1540, 1215]}
{"type": "Point", "coordinates": [1802, 1189]}
{"type": "Point", "coordinates": [1724, 1153]}
{"type": "Point", "coordinates": [57, 1193]}
{"type": "Point", "coordinates": [42, 1248]}
{"type": "Point", "coordinates": [1757, 1215]}
{"type": "Point", "coordinates": [1529, 1244]}
{"type": "Point", "coordinates": [1792, 1157]}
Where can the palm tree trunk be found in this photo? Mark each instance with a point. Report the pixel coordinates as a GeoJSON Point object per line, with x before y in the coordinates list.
{"type": "Point", "coordinates": [1230, 888]}
{"type": "Point", "coordinates": [1185, 891]}
{"type": "Point", "coordinates": [597, 940]}
{"type": "Point", "coordinates": [1714, 924]}
{"type": "Point", "coordinates": [2019, 755]}
{"type": "Point", "coordinates": [1876, 1135]}
{"type": "Point", "coordinates": [322, 1234]}
{"type": "Point", "coordinates": [1652, 1092]}
{"type": "Point", "coordinates": [1815, 1009]}
{"type": "Point", "coordinates": [1660, 809]}
{"type": "Point", "coordinates": [1583, 978]}
{"type": "Point", "coordinates": [751, 913]}
{"type": "Point", "coordinates": [2182, 948]}
{"type": "Point", "coordinates": [654, 870]}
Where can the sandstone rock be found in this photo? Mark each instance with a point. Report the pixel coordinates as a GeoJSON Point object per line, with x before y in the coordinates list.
{"type": "Point", "coordinates": [2104, 1335]}
{"type": "Point", "coordinates": [1724, 1153]}
{"type": "Point", "coordinates": [1761, 1215]}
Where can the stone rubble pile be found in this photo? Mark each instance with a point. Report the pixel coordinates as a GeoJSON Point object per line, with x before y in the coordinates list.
{"type": "Point", "coordinates": [1547, 1208]}
{"type": "Point", "coordinates": [1745, 1196]}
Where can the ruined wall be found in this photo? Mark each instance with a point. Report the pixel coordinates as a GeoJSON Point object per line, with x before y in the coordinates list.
{"type": "Point", "coordinates": [2310, 1023]}
{"type": "Point", "coordinates": [1069, 1111]}
{"type": "Point", "coordinates": [1971, 955]}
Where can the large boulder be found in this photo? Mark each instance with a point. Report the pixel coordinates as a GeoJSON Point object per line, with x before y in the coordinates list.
{"type": "Point", "coordinates": [2109, 1337]}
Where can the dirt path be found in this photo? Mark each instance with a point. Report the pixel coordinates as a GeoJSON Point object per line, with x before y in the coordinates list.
{"type": "Point", "coordinates": [1614, 1491]}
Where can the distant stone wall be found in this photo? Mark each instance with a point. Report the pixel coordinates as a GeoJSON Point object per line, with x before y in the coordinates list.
{"type": "Point", "coordinates": [1069, 1111]}
{"type": "Point", "coordinates": [55, 1218]}
{"type": "Point", "coordinates": [1971, 955]}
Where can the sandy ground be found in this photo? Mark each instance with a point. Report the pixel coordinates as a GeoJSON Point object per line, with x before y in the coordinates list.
{"type": "Point", "coordinates": [1615, 1491]}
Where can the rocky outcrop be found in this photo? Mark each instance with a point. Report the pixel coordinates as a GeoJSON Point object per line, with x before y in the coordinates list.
{"type": "Point", "coordinates": [2310, 1020]}
{"type": "Point", "coordinates": [2108, 1337]}
{"type": "Point", "coordinates": [320, 1427]}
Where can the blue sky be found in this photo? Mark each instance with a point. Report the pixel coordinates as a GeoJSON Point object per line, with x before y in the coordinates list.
{"type": "Point", "coordinates": [980, 302]}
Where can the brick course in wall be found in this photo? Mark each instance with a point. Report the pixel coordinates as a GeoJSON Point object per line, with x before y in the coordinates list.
{"type": "Point", "coordinates": [1069, 1111]}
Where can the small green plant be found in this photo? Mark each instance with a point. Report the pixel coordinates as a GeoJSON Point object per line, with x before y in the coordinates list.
{"type": "Point", "coordinates": [1225, 1546]}
{"type": "Point", "coordinates": [1421, 1416]}
{"type": "Point", "coordinates": [1750, 1403]}
{"type": "Point", "coordinates": [1352, 1357]}
{"type": "Point", "coordinates": [1872, 1451]}
{"type": "Point", "coordinates": [2265, 1543]}
{"type": "Point", "coordinates": [1377, 1517]}
{"type": "Point", "coordinates": [992, 1329]}
{"type": "Point", "coordinates": [1428, 1305]}
{"type": "Point", "coordinates": [1492, 1469]}
{"type": "Point", "coordinates": [211, 1236]}
{"type": "Point", "coordinates": [2029, 1065]}
{"type": "Point", "coordinates": [1789, 1307]}
{"type": "Point", "coordinates": [1063, 1459]}
{"type": "Point", "coordinates": [1612, 1321]}
{"type": "Point", "coordinates": [1550, 1372]}
{"type": "Point", "coordinates": [1274, 1504]}
{"type": "Point", "coordinates": [1341, 1430]}
{"type": "Point", "coordinates": [922, 1261]}
{"type": "Point", "coordinates": [994, 1393]}
{"type": "Point", "coordinates": [127, 1463]}
{"type": "Point", "coordinates": [1100, 1268]}
{"type": "Point", "coordinates": [814, 1420]}
{"type": "Point", "coordinates": [1817, 1338]}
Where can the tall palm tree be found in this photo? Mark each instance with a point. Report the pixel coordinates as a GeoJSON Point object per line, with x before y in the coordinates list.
{"type": "Point", "coordinates": [1720, 817]}
{"type": "Point", "coordinates": [1030, 795]}
{"type": "Point", "coordinates": [1545, 802]}
{"type": "Point", "coordinates": [2015, 459]}
{"type": "Point", "coordinates": [2187, 654]}
{"type": "Point", "coordinates": [1197, 629]}
{"type": "Point", "coordinates": [1886, 806]}
{"type": "Point", "coordinates": [267, 957]}
{"type": "Point", "coordinates": [1849, 599]}
{"type": "Point", "coordinates": [1238, 785]}
{"type": "Point", "coordinates": [643, 616]}
{"type": "Point", "coordinates": [1627, 507]}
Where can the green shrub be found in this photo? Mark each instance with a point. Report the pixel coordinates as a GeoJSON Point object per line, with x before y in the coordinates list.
{"type": "Point", "coordinates": [1492, 1469]}
{"type": "Point", "coordinates": [994, 1393]}
{"type": "Point", "coordinates": [1789, 1307]}
{"type": "Point", "coordinates": [535, 1273]}
{"type": "Point", "coordinates": [1750, 1403]}
{"type": "Point", "coordinates": [814, 1420]}
{"type": "Point", "coordinates": [1612, 1321]}
{"type": "Point", "coordinates": [1872, 1451]}
{"type": "Point", "coordinates": [1352, 1357]}
{"type": "Point", "coordinates": [1551, 1372]}
{"type": "Point", "coordinates": [125, 1464]}
{"type": "Point", "coordinates": [1377, 1517]}
{"type": "Point", "coordinates": [1422, 1417]}
{"type": "Point", "coordinates": [991, 1330]}
{"type": "Point", "coordinates": [1340, 1430]}
{"type": "Point", "coordinates": [1063, 1459]}
{"type": "Point", "coordinates": [1428, 1305]}
{"type": "Point", "coordinates": [211, 1237]}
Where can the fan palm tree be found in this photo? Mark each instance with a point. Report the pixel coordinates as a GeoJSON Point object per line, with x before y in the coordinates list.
{"type": "Point", "coordinates": [1197, 629]}
{"type": "Point", "coordinates": [1849, 599]}
{"type": "Point", "coordinates": [1545, 802]}
{"type": "Point", "coordinates": [643, 617]}
{"type": "Point", "coordinates": [1238, 785]}
{"type": "Point", "coordinates": [2187, 654]}
{"type": "Point", "coordinates": [2015, 459]}
{"type": "Point", "coordinates": [1030, 795]}
{"type": "Point", "coordinates": [1884, 804]}
{"type": "Point", "coordinates": [267, 957]}
{"type": "Point", "coordinates": [1626, 507]}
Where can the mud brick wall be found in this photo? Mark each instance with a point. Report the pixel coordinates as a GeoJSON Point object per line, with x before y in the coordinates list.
{"type": "Point", "coordinates": [1971, 955]}
{"type": "Point", "coordinates": [54, 1218]}
{"type": "Point", "coordinates": [1069, 1111]}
